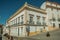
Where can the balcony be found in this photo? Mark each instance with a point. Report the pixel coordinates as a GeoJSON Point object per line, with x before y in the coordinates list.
{"type": "Point", "coordinates": [16, 24]}
{"type": "Point", "coordinates": [21, 22]}
{"type": "Point", "coordinates": [31, 22]}
{"type": "Point", "coordinates": [53, 19]}
{"type": "Point", "coordinates": [44, 24]}
{"type": "Point", "coordinates": [38, 23]}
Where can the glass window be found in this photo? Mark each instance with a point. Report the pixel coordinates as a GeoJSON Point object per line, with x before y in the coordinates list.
{"type": "Point", "coordinates": [21, 19]}
{"type": "Point", "coordinates": [14, 21]}
{"type": "Point", "coordinates": [31, 17]}
{"type": "Point", "coordinates": [21, 30]}
{"type": "Point", "coordinates": [53, 24]}
{"type": "Point", "coordinates": [38, 20]}
{"type": "Point", "coordinates": [18, 19]}
{"type": "Point", "coordinates": [43, 18]}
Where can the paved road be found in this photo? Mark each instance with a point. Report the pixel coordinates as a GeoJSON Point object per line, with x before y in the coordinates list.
{"type": "Point", "coordinates": [54, 35]}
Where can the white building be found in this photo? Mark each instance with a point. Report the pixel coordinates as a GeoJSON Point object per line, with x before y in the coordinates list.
{"type": "Point", "coordinates": [35, 19]}
{"type": "Point", "coordinates": [28, 16]}
{"type": "Point", "coordinates": [53, 14]}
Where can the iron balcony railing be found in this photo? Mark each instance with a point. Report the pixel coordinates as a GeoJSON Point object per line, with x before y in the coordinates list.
{"type": "Point", "coordinates": [16, 24]}
{"type": "Point", "coordinates": [31, 22]}
{"type": "Point", "coordinates": [44, 24]}
{"type": "Point", "coordinates": [20, 23]}
{"type": "Point", "coordinates": [38, 23]}
{"type": "Point", "coordinates": [53, 19]}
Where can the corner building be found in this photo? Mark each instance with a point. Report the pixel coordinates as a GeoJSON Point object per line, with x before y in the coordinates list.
{"type": "Point", "coordinates": [29, 17]}
{"type": "Point", "coordinates": [37, 20]}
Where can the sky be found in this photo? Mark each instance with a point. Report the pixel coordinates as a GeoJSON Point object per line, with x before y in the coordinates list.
{"type": "Point", "coordinates": [9, 7]}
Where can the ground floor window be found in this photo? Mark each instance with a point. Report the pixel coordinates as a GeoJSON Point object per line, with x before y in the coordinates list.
{"type": "Point", "coordinates": [59, 25]}
{"type": "Point", "coordinates": [41, 29]}
{"type": "Point", "coordinates": [21, 30]}
{"type": "Point", "coordinates": [53, 24]}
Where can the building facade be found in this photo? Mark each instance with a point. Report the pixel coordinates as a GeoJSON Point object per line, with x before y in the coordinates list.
{"type": "Point", "coordinates": [53, 14]}
{"type": "Point", "coordinates": [27, 17]}
{"type": "Point", "coordinates": [34, 20]}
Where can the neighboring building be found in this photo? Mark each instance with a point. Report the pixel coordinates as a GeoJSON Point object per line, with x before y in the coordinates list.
{"type": "Point", "coordinates": [33, 19]}
{"type": "Point", "coordinates": [53, 14]}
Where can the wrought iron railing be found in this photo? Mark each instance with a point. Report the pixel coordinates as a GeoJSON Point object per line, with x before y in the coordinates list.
{"type": "Point", "coordinates": [38, 23]}
{"type": "Point", "coordinates": [16, 24]}
{"type": "Point", "coordinates": [53, 19]}
{"type": "Point", "coordinates": [44, 24]}
{"type": "Point", "coordinates": [31, 22]}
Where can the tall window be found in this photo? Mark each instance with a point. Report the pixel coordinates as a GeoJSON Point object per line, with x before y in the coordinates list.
{"type": "Point", "coordinates": [43, 18]}
{"type": "Point", "coordinates": [14, 21]}
{"type": "Point", "coordinates": [18, 19]}
{"type": "Point", "coordinates": [21, 30]}
{"type": "Point", "coordinates": [53, 17]}
{"type": "Point", "coordinates": [44, 21]}
{"type": "Point", "coordinates": [38, 19]}
{"type": "Point", "coordinates": [53, 24]}
{"type": "Point", "coordinates": [31, 18]}
{"type": "Point", "coordinates": [11, 22]}
{"type": "Point", "coordinates": [58, 17]}
{"type": "Point", "coordinates": [21, 19]}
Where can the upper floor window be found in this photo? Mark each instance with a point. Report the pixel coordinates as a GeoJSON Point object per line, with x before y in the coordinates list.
{"type": "Point", "coordinates": [38, 20]}
{"type": "Point", "coordinates": [14, 21]}
{"type": "Point", "coordinates": [11, 22]}
{"type": "Point", "coordinates": [44, 21]}
{"type": "Point", "coordinates": [31, 18]}
{"type": "Point", "coordinates": [58, 17]}
{"type": "Point", "coordinates": [21, 19]}
{"type": "Point", "coordinates": [22, 16]}
{"type": "Point", "coordinates": [43, 18]}
{"type": "Point", "coordinates": [18, 19]}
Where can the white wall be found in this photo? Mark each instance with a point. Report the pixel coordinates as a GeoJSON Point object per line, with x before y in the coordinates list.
{"type": "Point", "coordinates": [35, 15]}
{"type": "Point", "coordinates": [21, 13]}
